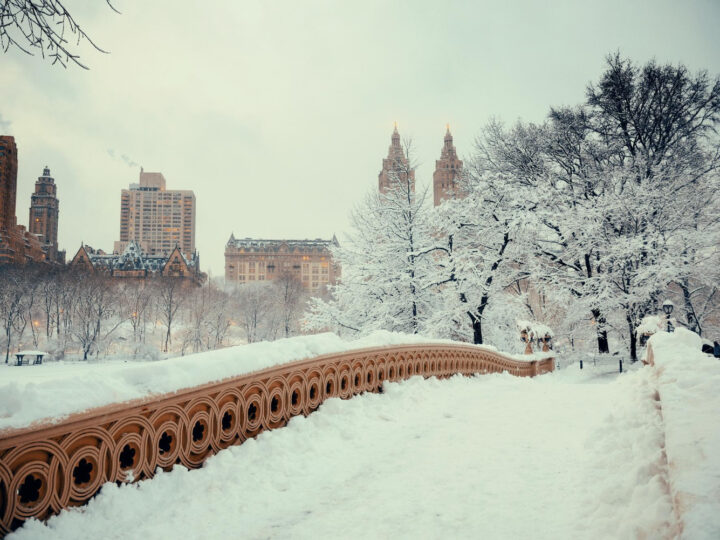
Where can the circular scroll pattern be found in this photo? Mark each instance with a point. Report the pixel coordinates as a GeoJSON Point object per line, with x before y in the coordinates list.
{"type": "Point", "coordinates": [369, 375]}
{"type": "Point", "coordinates": [278, 407]}
{"type": "Point", "coordinates": [358, 380]}
{"type": "Point", "coordinates": [89, 463]}
{"type": "Point", "coordinates": [314, 389]}
{"type": "Point", "coordinates": [255, 408]}
{"type": "Point", "coordinates": [133, 450]}
{"type": "Point", "coordinates": [170, 438]}
{"type": "Point", "coordinates": [297, 393]}
{"type": "Point", "coordinates": [330, 382]}
{"type": "Point", "coordinates": [203, 433]}
{"type": "Point", "coordinates": [231, 411]}
{"type": "Point", "coordinates": [345, 382]}
{"type": "Point", "coordinates": [65, 464]}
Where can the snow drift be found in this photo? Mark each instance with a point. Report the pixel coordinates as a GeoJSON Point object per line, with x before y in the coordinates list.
{"type": "Point", "coordinates": [689, 389]}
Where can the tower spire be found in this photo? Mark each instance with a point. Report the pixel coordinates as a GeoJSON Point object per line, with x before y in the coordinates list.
{"type": "Point", "coordinates": [395, 166]}
{"type": "Point", "coordinates": [447, 170]}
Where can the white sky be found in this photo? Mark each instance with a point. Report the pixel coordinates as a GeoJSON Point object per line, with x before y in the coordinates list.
{"type": "Point", "coordinates": [278, 113]}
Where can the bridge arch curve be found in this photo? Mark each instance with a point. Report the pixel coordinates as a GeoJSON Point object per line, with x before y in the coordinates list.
{"type": "Point", "coordinates": [44, 468]}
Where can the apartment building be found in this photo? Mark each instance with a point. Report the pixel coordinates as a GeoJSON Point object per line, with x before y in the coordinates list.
{"type": "Point", "coordinates": [157, 218]}
{"type": "Point", "coordinates": [310, 261]}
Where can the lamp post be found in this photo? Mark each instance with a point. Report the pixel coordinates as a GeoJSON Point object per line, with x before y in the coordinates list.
{"type": "Point", "coordinates": [668, 307]}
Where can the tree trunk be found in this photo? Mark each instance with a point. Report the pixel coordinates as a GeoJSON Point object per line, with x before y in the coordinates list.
{"type": "Point", "coordinates": [477, 331]}
{"type": "Point", "coordinates": [633, 340]}
{"type": "Point", "coordinates": [476, 320]}
{"type": "Point", "coordinates": [167, 337]}
{"type": "Point", "coordinates": [8, 331]}
{"type": "Point", "coordinates": [602, 337]}
{"type": "Point", "coordinates": [692, 322]}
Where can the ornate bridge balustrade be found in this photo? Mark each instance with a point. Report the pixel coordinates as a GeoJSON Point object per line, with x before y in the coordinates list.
{"type": "Point", "coordinates": [46, 468]}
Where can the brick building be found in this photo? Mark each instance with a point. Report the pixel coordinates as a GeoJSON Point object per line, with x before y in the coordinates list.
{"type": "Point", "coordinates": [17, 245]}
{"type": "Point", "coordinates": [44, 213]}
{"type": "Point", "coordinates": [156, 218]}
{"type": "Point", "coordinates": [8, 181]}
{"type": "Point", "coordinates": [447, 172]}
{"type": "Point", "coordinates": [134, 263]}
{"type": "Point", "coordinates": [310, 261]}
{"type": "Point", "coordinates": [395, 167]}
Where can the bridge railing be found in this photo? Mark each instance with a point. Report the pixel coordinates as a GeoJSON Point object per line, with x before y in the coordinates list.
{"type": "Point", "coordinates": [45, 468]}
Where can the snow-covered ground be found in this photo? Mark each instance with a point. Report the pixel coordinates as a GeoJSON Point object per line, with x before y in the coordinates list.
{"type": "Point", "coordinates": [689, 387]}
{"type": "Point", "coordinates": [77, 386]}
{"type": "Point", "coordinates": [573, 454]}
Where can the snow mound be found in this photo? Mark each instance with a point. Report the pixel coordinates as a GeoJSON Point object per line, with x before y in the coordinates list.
{"type": "Point", "coordinates": [55, 390]}
{"type": "Point", "coordinates": [689, 388]}
{"type": "Point", "coordinates": [651, 324]}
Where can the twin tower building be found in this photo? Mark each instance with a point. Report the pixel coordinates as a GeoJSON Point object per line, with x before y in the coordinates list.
{"type": "Point", "coordinates": [446, 178]}
{"type": "Point", "coordinates": [249, 260]}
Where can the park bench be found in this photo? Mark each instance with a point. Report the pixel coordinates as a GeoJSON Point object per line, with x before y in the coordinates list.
{"type": "Point", "coordinates": [38, 357]}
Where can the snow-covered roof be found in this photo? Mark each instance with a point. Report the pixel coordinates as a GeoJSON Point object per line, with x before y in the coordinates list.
{"type": "Point", "coordinates": [133, 258]}
{"type": "Point", "coordinates": [258, 244]}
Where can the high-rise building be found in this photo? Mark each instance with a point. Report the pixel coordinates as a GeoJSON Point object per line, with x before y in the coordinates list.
{"type": "Point", "coordinates": [156, 218]}
{"type": "Point", "coordinates": [249, 260]}
{"type": "Point", "coordinates": [396, 167]}
{"type": "Point", "coordinates": [8, 182]}
{"type": "Point", "coordinates": [17, 245]}
{"type": "Point", "coordinates": [447, 172]}
{"type": "Point", "coordinates": [44, 210]}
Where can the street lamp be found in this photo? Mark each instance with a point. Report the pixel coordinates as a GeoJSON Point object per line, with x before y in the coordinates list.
{"type": "Point", "coordinates": [668, 307]}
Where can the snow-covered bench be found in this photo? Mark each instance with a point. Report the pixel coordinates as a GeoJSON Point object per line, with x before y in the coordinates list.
{"type": "Point", "coordinates": [20, 356]}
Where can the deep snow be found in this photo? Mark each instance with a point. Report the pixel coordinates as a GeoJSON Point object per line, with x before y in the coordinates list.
{"type": "Point", "coordinates": [689, 387]}
{"type": "Point", "coordinates": [491, 456]}
{"type": "Point", "coordinates": [77, 386]}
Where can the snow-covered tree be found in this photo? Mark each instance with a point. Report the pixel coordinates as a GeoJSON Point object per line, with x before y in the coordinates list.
{"type": "Point", "coordinates": [289, 300]}
{"type": "Point", "coordinates": [96, 314]}
{"type": "Point", "coordinates": [219, 319]}
{"type": "Point", "coordinates": [169, 297]}
{"type": "Point", "coordinates": [256, 310]}
{"type": "Point", "coordinates": [387, 263]}
{"type": "Point", "coordinates": [479, 255]}
{"type": "Point", "coordinates": [621, 189]}
{"type": "Point", "coordinates": [12, 296]}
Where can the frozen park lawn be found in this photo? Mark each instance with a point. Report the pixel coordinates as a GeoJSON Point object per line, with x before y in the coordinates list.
{"type": "Point", "coordinates": [567, 455]}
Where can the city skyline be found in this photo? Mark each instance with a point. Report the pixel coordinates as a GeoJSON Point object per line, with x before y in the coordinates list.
{"type": "Point", "coordinates": [260, 118]}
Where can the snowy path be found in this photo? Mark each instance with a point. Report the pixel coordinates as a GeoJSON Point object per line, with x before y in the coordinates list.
{"type": "Point", "coordinates": [566, 455]}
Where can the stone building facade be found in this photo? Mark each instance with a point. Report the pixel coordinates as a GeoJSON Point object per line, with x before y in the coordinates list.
{"type": "Point", "coordinates": [156, 218]}
{"type": "Point", "coordinates": [134, 263]}
{"type": "Point", "coordinates": [395, 167]}
{"type": "Point", "coordinates": [17, 245]}
{"type": "Point", "coordinates": [448, 170]}
{"type": "Point", "coordinates": [44, 214]}
{"type": "Point", "coordinates": [310, 261]}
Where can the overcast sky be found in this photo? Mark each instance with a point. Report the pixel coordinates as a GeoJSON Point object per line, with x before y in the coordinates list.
{"type": "Point", "coordinates": [278, 113]}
